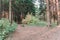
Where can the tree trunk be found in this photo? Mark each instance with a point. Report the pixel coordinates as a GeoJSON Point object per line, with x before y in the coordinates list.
{"type": "Point", "coordinates": [10, 10]}
{"type": "Point", "coordinates": [3, 7]}
{"type": "Point", "coordinates": [0, 8]}
{"type": "Point", "coordinates": [58, 21]}
{"type": "Point", "coordinates": [48, 14]}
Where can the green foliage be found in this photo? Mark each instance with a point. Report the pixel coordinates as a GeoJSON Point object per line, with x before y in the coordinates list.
{"type": "Point", "coordinates": [6, 28]}
{"type": "Point", "coordinates": [42, 7]}
{"type": "Point", "coordinates": [23, 6]}
{"type": "Point", "coordinates": [32, 20]}
{"type": "Point", "coordinates": [20, 6]}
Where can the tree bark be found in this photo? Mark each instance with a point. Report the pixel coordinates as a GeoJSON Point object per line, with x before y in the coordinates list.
{"type": "Point", "coordinates": [0, 8]}
{"type": "Point", "coordinates": [3, 7]}
{"type": "Point", "coordinates": [58, 20]}
{"type": "Point", "coordinates": [48, 14]}
{"type": "Point", "coordinates": [10, 16]}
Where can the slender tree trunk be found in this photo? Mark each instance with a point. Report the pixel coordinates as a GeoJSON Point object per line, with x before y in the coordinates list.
{"type": "Point", "coordinates": [58, 21]}
{"type": "Point", "coordinates": [48, 14]}
{"type": "Point", "coordinates": [50, 10]}
{"type": "Point", "coordinates": [0, 8]}
{"type": "Point", "coordinates": [3, 7]}
{"type": "Point", "coordinates": [10, 11]}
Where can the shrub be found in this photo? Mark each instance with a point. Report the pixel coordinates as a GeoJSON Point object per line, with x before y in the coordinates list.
{"type": "Point", "coordinates": [6, 28]}
{"type": "Point", "coordinates": [33, 20]}
{"type": "Point", "coordinates": [30, 19]}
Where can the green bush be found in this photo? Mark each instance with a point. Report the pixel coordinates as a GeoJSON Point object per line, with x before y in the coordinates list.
{"type": "Point", "coordinates": [6, 28]}
{"type": "Point", "coordinates": [30, 19]}
{"type": "Point", "coordinates": [33, 20]}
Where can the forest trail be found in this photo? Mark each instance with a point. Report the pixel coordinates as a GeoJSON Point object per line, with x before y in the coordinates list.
{"type": "Point", "coordinates": [36, 33]}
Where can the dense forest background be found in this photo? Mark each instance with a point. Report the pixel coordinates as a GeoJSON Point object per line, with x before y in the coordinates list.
{"type": "Point", "coordinates": [32, 10]}
{"type": "Point", "coordinates": [22, 7]}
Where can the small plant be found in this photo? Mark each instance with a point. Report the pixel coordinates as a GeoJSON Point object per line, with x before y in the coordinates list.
{"type": "Point", "coordinates": [6, 28]}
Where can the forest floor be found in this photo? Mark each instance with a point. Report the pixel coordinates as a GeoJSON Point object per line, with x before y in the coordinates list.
{"type": "Point", "coordinates": [36, 33]}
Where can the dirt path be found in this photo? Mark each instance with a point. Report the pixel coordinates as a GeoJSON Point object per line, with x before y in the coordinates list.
{"type": "Point", "coordinates": [35, 33]}
{"type": "Point", "coordinates": [53, 34]}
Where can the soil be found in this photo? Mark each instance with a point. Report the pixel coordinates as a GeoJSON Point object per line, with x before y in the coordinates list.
{"type": "Point", "coordinates": [35, 33]}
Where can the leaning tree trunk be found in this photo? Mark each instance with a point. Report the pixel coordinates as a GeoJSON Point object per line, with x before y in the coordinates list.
{"type": "Point", "coordinates": [48, 14]}
{"type": "Point", "coordinates": [10, 10]}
